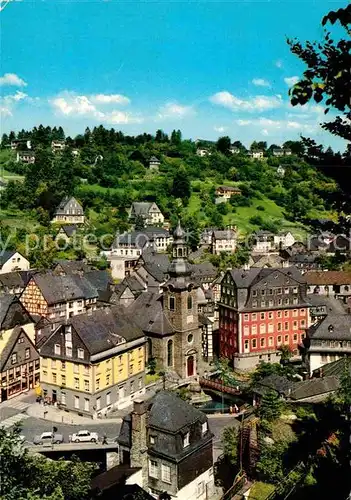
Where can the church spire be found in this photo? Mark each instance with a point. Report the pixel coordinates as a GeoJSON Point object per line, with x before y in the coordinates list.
{"type": "Point", "coordinates": [179, 269]}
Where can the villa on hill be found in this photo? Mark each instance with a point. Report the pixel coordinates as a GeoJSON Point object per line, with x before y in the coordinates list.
{"type": "Point", "coordinates": [70, 211]}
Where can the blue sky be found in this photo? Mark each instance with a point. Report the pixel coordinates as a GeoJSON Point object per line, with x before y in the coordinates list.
{"type": "Point", "coordinates": [210, 68]}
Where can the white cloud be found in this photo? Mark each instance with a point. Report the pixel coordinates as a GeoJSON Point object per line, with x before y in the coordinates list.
{"type": "Point", "coordinates": [279, 63]}
{"type": "Point", "coordinates": [255, 103]}
{"type": "Point", "coordinates": [110, 99]}
{"type": "Point", "coordinates": [291, 80]}
{"type": "Point", "coordinates": [12, 79]}
{"type": "Point", "coordinates": [243, 123]}
{"type": "Point", "coordinates": [264, 132]}
{"type": "Point", "coordinates": [261, 82]}
{"type": "Point", "coordinates": [174, 110]}
{"type": "Point", "coordinates": [19, 96]}
{"type": "Point", "coordinates": [220, 129]}
{"type": "Point", "coordinates": [70, 104]}
{"type": "Point", "coordinates": [5, 112]}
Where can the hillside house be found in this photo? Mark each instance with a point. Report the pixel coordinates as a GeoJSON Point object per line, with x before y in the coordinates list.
{"type": "Point", "coordinates": [21, 143]}
{"type": "Point", "coordinates": [262, 242]}
{"type": "Point", "coordinates": [224, 193]}
{"type": "Point", "coordinates": [11, 261]}
{"type": "Point", "coordinates": [282, 152]}
{"type": "Point", "coordinates": [27, 157]}
{"type": "Point", "coordinates": [154, 163]}
{"type": "Point", "coordinates": [19, 360]}
{"type": "Point", "coordinates": [148, 211]}
{"type": "Point", "coordinates": [203, 152]}
{"type": "Point", "coordinates": [256, 155]}
{"type": "Point", "coordinates": [58, 146]}
{"type": "Point", "coordinates": [132, 244]}
{"type": "Point", "coordinates": [283, 239]}
{"type": "Point", "coordinates": [69, 210]}
{"type": "Point", "coordinates": [223, 241]}
{"type": "Point", "coordinates": [234, 150]}
{"type": "Point", "coordinates": [168, 444]}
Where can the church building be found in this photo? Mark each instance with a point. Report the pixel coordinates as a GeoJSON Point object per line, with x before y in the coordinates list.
{"type": "Point", "coordinates": [170, 319]}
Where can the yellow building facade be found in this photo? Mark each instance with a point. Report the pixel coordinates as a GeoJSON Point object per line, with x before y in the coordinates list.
{"type": "Point", "coordinates": [93, 375]}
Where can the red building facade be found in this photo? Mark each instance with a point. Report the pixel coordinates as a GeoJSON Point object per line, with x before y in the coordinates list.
{"type": "Point", "coordinates": [260, 311]}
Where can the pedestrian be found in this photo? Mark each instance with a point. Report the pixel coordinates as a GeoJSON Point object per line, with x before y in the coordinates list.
{"type": "Point", "coordinates": [236, 409]}
{"type": "Point", "coordinates": [70, 438]}
{"type": "Point", "coordinates": [230, 409]}
{"type": "Point", "coordinates": [104, 439]}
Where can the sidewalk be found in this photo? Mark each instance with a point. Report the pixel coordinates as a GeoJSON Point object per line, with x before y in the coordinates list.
{"type": "Point", "coordinates": [52, 414]}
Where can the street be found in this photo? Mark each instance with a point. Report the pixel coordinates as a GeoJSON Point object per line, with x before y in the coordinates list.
{"type": "Point", "coordinates": [14, 410]}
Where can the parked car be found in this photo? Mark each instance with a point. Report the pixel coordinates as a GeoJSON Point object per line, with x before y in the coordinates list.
{"type": "Point", "coordinates": [48, 438]}
{"type": "Point", "coordinates": [84, 437]}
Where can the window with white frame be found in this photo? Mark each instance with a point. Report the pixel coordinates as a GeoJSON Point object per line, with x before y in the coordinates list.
{"type": "Point", "coordinates": [186, 440]}
{"type": "Point", "coordinates": [270, 341]}
{"type": "Point", "coordinates": [166, 473]}
{"type": "Point", "coordinates": [80, 353]}
{"type": "Point", "coordinates": [254, 329]}
{"type": "Point", "coordinates": [263, 342]}
{"type": "Point", "coordinates": [204, 428]}
{"type": "Point", "coordinates": [254, 343]}
{"type": "Point", "coordinates": [57, 349]}
{"type": "Point", "coordinates": [262, 328]}
{"type": "Point", "coordinates": [153, 469]}
{"type": "Point", "coordinates": [270, 328]}
{"type": "Point", "coordinates": [246, 330]}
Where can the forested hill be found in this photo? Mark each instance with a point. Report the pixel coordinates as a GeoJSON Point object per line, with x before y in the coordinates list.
{"type": "Point", "coordinates": [108, 170]}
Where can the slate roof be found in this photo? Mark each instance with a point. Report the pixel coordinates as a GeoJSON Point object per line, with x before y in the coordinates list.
{"type": "Point", "coordinates": [224, 235]}
{"type": "Point", "coordinates": [5, 302]}
{"type": "Point", "coordinates": [125, 433]}
{"type": "Point", "coordinates": [334, 326]}
{"type": "Point", "coordinates": [336, 368]}
{"type": "Point", "coordinates": [204, 269]}
{"type": "Point", "coordinates": [277, 383]}
{"type": "Point", "coordinates": [69, 230]}
{"type": "Point", "coordinates": [73, 266]}
{"type": "Point", "coordinates": [102, 329]}
{"type": "Point", "coordinates": [5, 353]}
{"type": "Point", "coordinates": [140, 238]}
{"type": "Point", "coordinates": [101, 280]}
{"type": "Point", "coordinates": [328, 277]}
{"type": "Point", "coordinates": [170, 413]}
{"type": "Point", "coordinates": [246, 278]}
{"type": "Point", "coordinates": [61, 209]}
{"type": "Point", "coordinates": [16, 279]}
{"type": "Point", "coordinates": [333, 305]}
{"type": "Point", "coordinates": [154, 159]}
{"type": "Point", "coordinates": [314, 387]}
{"type": "Point", "coordinates": [141, 207]}
{"type": "Point", "coordinates": [147, 312]}
{"type": "Point", "coordinates": [64, 288]}
{"type": "Point", "coordinates": [110, 485]}
{"type": "Point", "coordinates": [229, 188]}
{"type": "Point", "coordinates": [5, 255]}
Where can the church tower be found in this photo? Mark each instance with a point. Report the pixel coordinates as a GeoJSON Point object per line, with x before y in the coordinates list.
{"type": "Point", "coordinates": [180, 306]}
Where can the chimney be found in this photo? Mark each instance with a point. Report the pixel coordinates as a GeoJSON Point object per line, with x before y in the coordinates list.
{"type": "Point", "coordinates": [138, 452]}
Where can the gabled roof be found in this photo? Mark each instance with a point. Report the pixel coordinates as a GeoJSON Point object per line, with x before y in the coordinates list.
{"type": "Point", "coordinates": [6, 255]}
{"type": "Point", "coordinates": [332, 304]}
{"type": "Point", "coordinates": [224, 235]}
{"type": "Point", "coordinates": [148, 313]}
{"type": "Point", "coordinates": [5, 303]}
{"type": "Point", "coordinates": [204, 269]}
{"type": "Point", "coordinates": [141, 207]}
{"type": "Point", "coordinates": [61, 209]}
{"type": "Point", "coordinates": [336, 368]}
{"type": "Point", "coordinates": [64, 288]}
{"type": "Point", "coordinates": [69, 230]}
{"type": "Point", "coordinates": [154, 159]}
{"type": "Point", "coordinates": [10, 344]}
{"type": "Point", "coordinates": [15, 279]}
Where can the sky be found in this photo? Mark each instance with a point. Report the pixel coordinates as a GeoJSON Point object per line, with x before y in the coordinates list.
{"type": "Point", "coordinates": [208, 68]}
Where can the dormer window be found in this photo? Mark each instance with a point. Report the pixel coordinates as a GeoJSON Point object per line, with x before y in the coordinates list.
{"type": "Point", "coordinates": [152, 440]}
{"type": "Point", "coordinates": [186, 440]}
{"type": "Point", "coordinates": [204, 428]}
{"type": "Point", "coordinates": [80, 353]}
{"type": "Point", "coordinates": [57, 349]}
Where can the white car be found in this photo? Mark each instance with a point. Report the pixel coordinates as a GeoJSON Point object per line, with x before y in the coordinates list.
{"type": "Point", "coordinates": [48, 438]}
{"type": "Point", "coordinates": [84, 437]}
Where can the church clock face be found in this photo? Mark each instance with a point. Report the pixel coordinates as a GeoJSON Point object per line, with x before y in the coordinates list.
{"type": "Point", "coordinates": [190, 318]}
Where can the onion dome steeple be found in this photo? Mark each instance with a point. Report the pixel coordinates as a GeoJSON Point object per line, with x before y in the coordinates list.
{"type": "Point", "coordinates": [179, 269]}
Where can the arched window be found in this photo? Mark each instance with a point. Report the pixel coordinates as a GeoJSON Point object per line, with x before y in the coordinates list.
{"type": "Point", "coordinates": [190, 302]}
{"type": "Point", "coordinates": [180, 252]}
{"type": "Point", "coordinates": [170, 353]}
